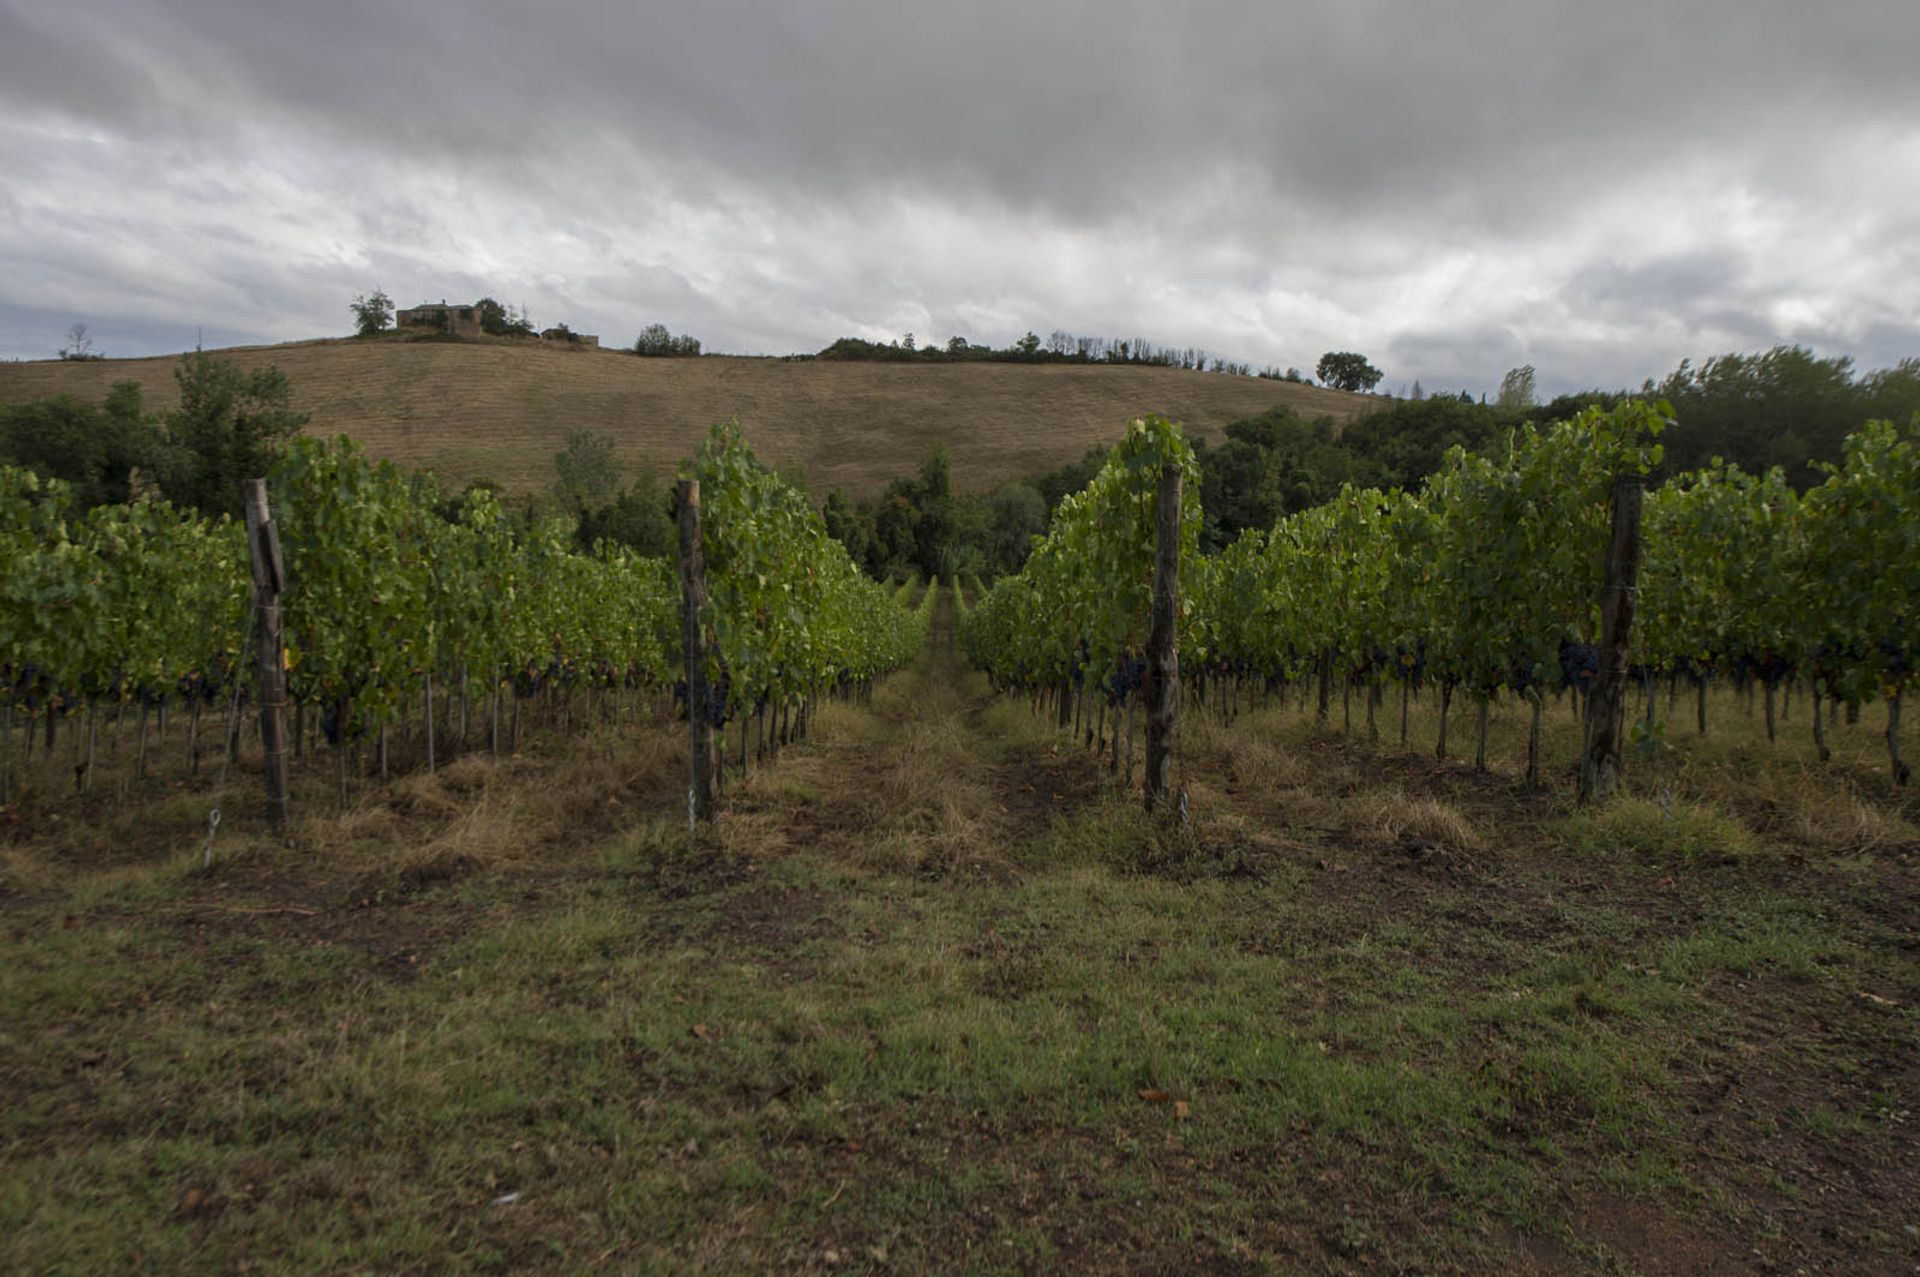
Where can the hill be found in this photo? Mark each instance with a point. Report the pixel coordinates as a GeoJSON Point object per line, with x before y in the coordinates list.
{"type": "Point", "coordinates": [502, 409]}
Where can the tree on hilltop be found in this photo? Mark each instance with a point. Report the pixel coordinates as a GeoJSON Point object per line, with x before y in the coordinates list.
{"type": "Point", "coordinates": [79, 345]}
{"type": "Point", "coordinates": [372, 314]}
{"type": "Point", "coordinates": [1346, 370]}
{"type": "Point", "coordinates": [502, 321]}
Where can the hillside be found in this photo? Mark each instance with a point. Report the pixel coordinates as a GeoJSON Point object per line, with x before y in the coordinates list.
{"type": "Point", "coordinates": [503, 409]}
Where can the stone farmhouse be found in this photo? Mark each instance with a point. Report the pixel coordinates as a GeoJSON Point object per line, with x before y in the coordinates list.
{"type": "Point", "coordinates": [441, 317]}
{"type": "Point", "coordinates": [464, 321]}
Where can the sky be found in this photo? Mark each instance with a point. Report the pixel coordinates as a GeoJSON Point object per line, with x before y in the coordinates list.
{"type": "Point", "coordinates": [1598, 190]}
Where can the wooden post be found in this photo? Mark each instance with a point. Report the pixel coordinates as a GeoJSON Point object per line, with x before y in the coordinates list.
{"type": "Point", "coordinates": [693, 648]}
{"type": "Point", "coordinates": [1606, 711]}
{"type": "Point", "coordinates": [1901, 772]}
{"type": "Point", "coordinates": [1538, 695]}
{"type": "Point", "coordinates": [1163, 639]}
{"type": "Point", "coordinates": [270, 667]}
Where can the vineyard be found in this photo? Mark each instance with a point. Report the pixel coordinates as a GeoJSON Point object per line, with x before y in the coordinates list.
{"type": "Point", "coordinates": [1483, 586]}
{"type": "Point", "coordinates": [934, 993]}
{"type": "Point", "coordinates": [406, 611]}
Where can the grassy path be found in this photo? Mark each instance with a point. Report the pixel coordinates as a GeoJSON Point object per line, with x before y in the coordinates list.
{"type": "Point", "coordinates": [938, 1000]}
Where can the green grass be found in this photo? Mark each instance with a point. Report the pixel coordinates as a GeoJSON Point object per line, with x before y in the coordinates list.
{"type": "Point", "coordinates": [1663, 830]}
{"type": "Point", "coordinates": [1121, 1050]}
{"type": "Point", "coordinates": [650, 1098]}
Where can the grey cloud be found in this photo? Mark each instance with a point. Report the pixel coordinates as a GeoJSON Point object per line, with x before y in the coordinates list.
{"type": "Point", "coordinates": [1460, 188]}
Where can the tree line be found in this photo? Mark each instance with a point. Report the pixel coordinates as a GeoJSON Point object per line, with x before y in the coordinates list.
{"type": "Point", "coordinates": [229, 425]}
{"type": "Point", "coordinates": [1784, 407]}
{"type": "Point", "coordinates": [1060, 347]}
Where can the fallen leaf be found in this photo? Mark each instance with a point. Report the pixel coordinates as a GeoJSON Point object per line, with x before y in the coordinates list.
{"type": "Point", "coordinates": [1181, 1109]}
{"type": "Point", "coordinates": [1152, 1096]}
{"type": "Point", "coordinates": [701, 1031]}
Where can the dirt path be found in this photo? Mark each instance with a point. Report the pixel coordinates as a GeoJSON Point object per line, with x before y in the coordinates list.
{"type": "Point", "coordinates": [922, 775]}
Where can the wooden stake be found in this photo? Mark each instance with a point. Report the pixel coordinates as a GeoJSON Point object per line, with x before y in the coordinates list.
{"type": "Point", "coordinates": [693, 648]}
{"type": "Point", "coordinates": [270, 667]}
{"type": "Point", "coordinates": [1480, 750]}
{"type": "Point", "coordinates": [1606, 722]}
{"type": "Point", "coordinates": [1163, 640]}
{"type": "Point", "coordinates": [1901, 772]}
{"type": "Point", "coordinates": [1538, 695]}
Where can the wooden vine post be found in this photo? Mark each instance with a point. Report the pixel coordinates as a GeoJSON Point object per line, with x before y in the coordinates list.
{"type": "Point", "coordinates": [693, 648]}
{"type": "Point", "coordinates": [270, 666]}
{"type": "Point", "coordinates": [1163, 638]}
{"type": "Point", "coordinates": [1607, 708]}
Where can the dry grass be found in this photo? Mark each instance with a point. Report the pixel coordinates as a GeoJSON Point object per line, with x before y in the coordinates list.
{"type": "Point", "coordinates": [27, 870]}
{"type": "Point", "coordinates": [1268, 752]}
{"type": "Point", "coordinates": [1778, 790]}
{"type": "Point", "coordinates": [1401, 818]}
{"type": "Point", "coordinates": [1815, 808]}
{"type": "Point", "coordinates": [502, 410]}
{"type": "Point", "coordinates": [1011, 722]}
{"type": "Point", "coordinates": [845, 723]}
{"type": "Point", "coordinates": [941, 818]}
{"type": "Point", "coordinates": [1845, 823]}
{"type": "Point", "coordinates": [481, 812]}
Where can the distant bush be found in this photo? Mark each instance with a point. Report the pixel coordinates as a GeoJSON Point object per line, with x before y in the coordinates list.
{"type": "Point", "coordinates": [1060, 348]}
{"type": "Point", "coordinates": [656, 342]}
{"type": "Point", "coordinates": [873, 351]}
{"type": "Point", "coordinates": [503, 321]}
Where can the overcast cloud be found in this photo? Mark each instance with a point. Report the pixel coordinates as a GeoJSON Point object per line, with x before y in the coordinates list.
{"type": "Point", "coordinates": [1598, 190]}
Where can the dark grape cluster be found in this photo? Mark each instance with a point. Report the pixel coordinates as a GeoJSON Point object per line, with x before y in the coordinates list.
{"type": "Point", "coordinates": [1579, 665]}
{"type": "Point", "coordinates": [1129, 674]}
